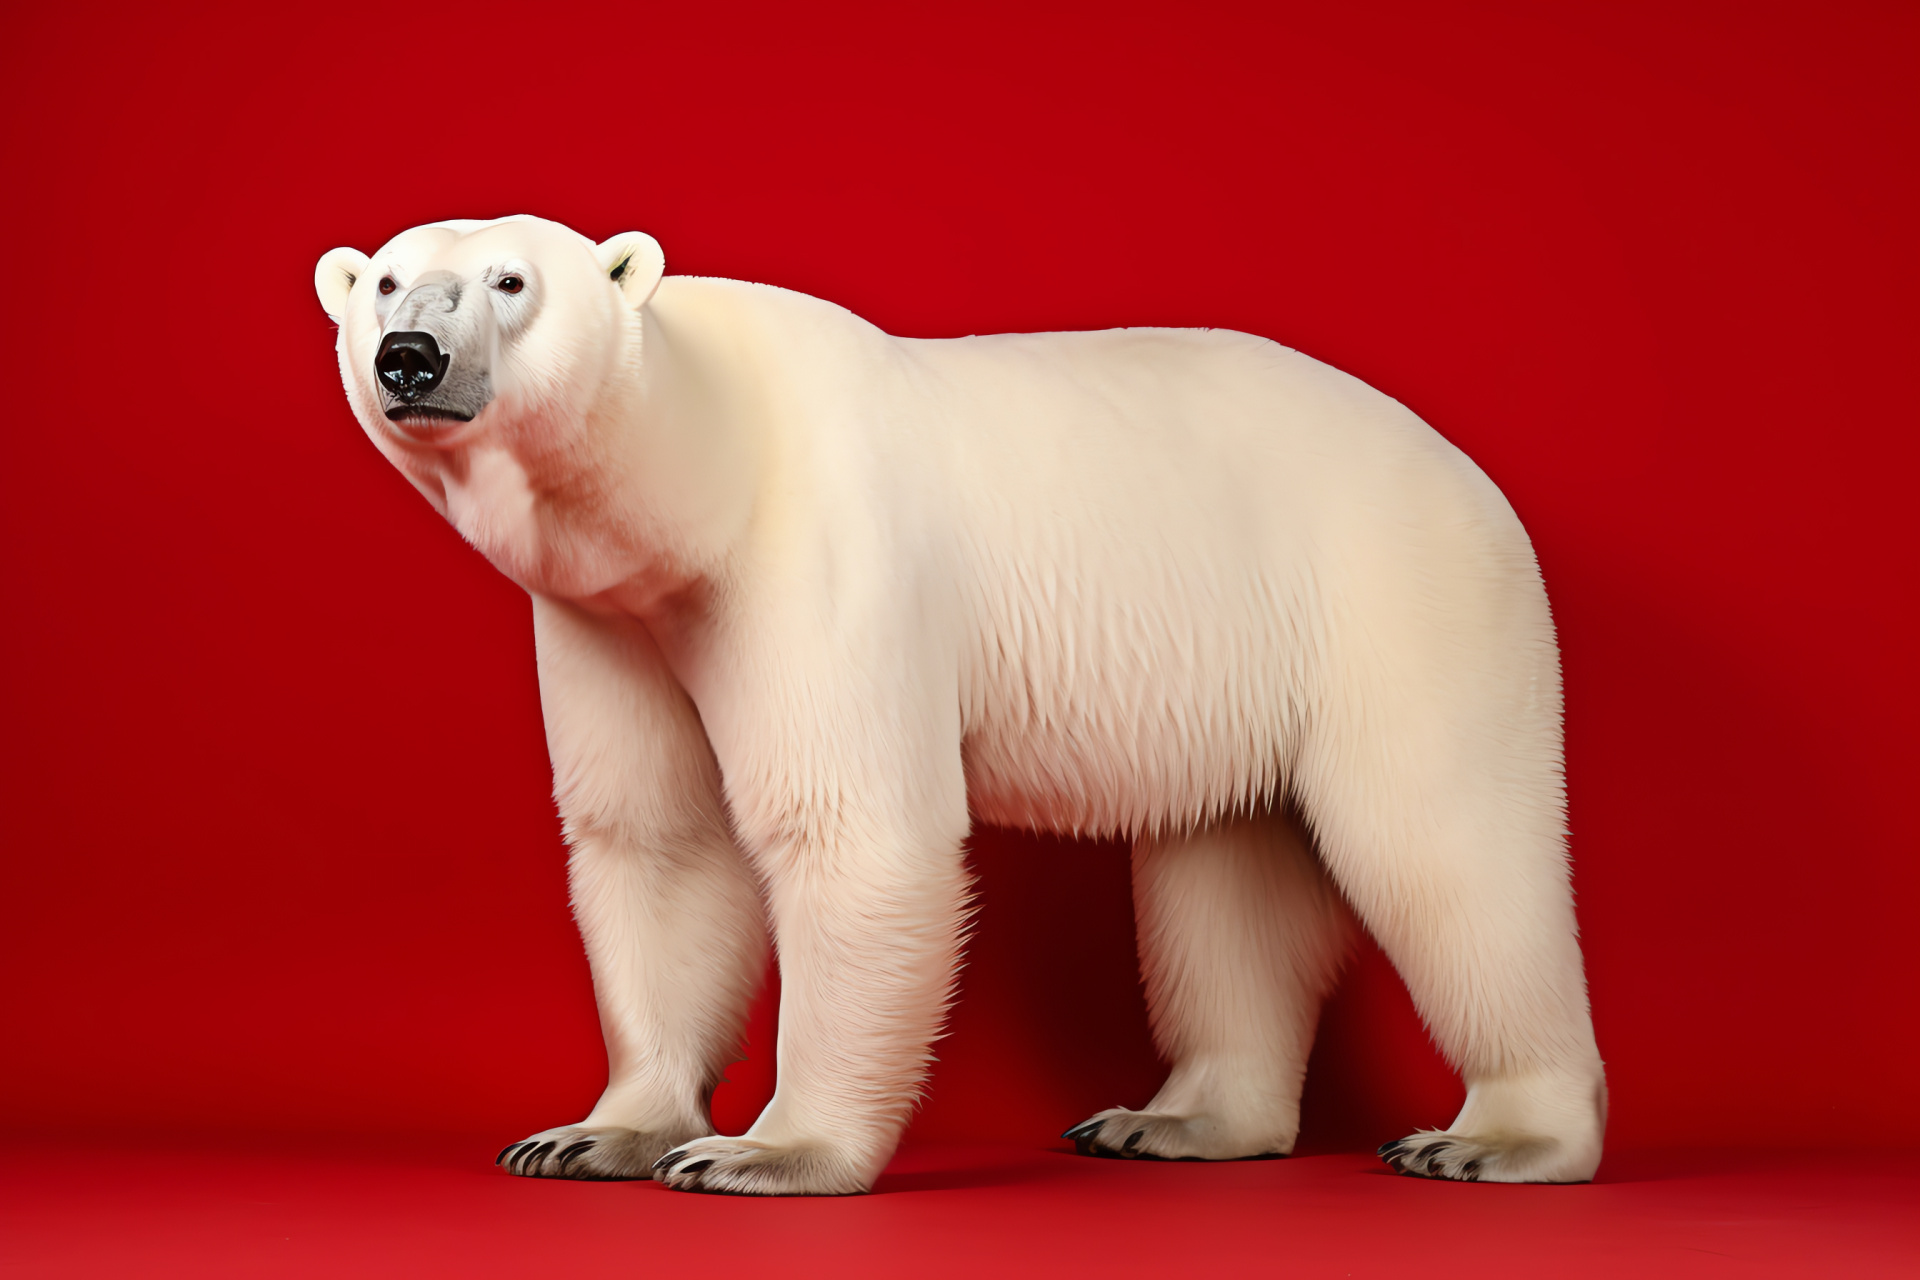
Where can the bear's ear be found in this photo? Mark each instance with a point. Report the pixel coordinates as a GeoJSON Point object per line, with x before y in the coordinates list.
{"type": "Point", "coordinates": [333, 279]}
{"type": "Point", "coordinates": [633, 261]}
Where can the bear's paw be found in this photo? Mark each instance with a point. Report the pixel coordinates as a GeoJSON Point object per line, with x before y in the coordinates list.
{"type": "Point", "coordinates": [746, 1167]}
{"type": "Point", "coordinates": [589, 1154]}
{"type": "Point", "coordinates": [1459, 1157]}
{"type": "Point", "coordinates": [1119, 1134]}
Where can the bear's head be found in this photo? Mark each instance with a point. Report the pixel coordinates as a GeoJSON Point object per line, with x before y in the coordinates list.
{"type": "Point", "coordinates": [456, 330]}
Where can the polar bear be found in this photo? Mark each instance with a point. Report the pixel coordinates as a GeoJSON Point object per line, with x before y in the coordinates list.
{"type": "Point", "coordinates": [808, 599]}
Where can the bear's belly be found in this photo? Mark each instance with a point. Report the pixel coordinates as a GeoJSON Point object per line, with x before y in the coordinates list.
{"type": "Point", "coordinates": [1013, 784]}
{"type": "Point", "coordinates": [1108, 776]}
{"type": "Point", "coordinates": [1110, 692]}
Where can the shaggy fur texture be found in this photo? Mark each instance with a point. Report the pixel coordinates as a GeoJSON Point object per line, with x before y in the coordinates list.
{"type": "Point", "coordinates": [807, 596]}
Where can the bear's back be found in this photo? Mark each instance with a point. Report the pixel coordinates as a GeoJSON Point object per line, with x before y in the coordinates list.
{"type": "Point", "coordinates": [1156, 526]}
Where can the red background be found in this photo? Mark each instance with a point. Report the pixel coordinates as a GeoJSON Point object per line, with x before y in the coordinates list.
{"type": "Point", "coordinates": [279, 853]}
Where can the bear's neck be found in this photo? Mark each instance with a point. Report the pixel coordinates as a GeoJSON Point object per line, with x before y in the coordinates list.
{"type": "Point", "coordinates": [635, 507]}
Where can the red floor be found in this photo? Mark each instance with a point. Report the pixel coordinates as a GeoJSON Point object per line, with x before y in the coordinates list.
{"type": "Point", "coordinates": [438, 1209]}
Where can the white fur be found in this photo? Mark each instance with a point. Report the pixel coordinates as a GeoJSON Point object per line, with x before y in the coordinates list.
{"type": "Point", "coordinates": [806, 594]}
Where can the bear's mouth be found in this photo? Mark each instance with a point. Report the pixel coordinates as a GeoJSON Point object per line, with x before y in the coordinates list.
{"type": "Point", "coordinates": [426, 414]}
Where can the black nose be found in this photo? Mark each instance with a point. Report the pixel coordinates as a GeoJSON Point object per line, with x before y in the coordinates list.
{"type": "Point", "coordinates": [410, 364]}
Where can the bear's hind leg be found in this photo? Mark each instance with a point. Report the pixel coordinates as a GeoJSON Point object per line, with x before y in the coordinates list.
{"type": "Point", "coordinates": [1241, 937]}
{"type": "Point", "coordinates": [1442, 823]}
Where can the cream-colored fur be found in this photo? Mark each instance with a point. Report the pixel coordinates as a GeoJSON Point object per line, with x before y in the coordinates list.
{"type": "Point", "coordinates": [807, 595]}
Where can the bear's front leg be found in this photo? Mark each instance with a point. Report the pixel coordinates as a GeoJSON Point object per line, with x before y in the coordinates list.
{"type": "Point", "coordinates": [856, 824]}
{"type": "Point", "coordinates": [673, 923]}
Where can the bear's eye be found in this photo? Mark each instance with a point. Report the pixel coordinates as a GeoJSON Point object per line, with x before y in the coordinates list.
{"type": "Point", "coordinates": [511, 284]}
{"type": "Point", "coordinates": [387, 285]}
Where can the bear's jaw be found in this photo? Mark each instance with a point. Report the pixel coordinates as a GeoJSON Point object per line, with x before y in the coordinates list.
{"type": "Point", "coordinates": [429, 412]}
{"type": "Point", "coordinates": [430, 424]}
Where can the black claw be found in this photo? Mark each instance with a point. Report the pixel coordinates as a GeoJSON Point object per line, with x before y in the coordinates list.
{"type": "Point", "coordinates": [1082, 1136]}
{"type": "Point", "coordinates": [1133, 1140]}
{"type": "Point", "coordinates": [503, 1152]}
{"type": "Point", "coordinates": [1388, 1150]}
{"type": "Point", "coordinates": [1470, 1171]}
{"type": "Point", "coordinates": [573, 1153]}
{"type": "Point", "coordinates": [666, 1162]}
{"type": "Point", "coordinates": [697, 1166]}
{"type": "Point", "coordinates": [538, 1154]}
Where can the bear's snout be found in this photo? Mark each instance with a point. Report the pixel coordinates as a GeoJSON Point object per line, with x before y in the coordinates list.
{"type": "Point", "coordinates": [410, 364]}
